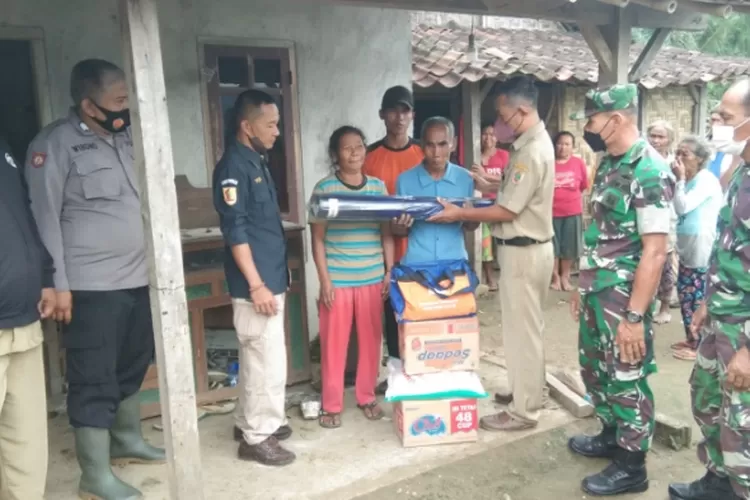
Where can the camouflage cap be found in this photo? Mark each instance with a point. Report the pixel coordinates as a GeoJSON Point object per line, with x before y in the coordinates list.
{"type": "Point", "coordinates": [615, 98]}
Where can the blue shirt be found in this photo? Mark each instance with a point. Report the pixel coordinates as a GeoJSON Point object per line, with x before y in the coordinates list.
{"type": "Point", "coordinates": [428, 241]}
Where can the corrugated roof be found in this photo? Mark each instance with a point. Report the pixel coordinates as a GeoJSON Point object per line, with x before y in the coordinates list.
{"type": "Point", "coordinates": [439, 57]}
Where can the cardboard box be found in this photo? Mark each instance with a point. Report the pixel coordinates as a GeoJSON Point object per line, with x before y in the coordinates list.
{"type": "Point", "coordinates": [444, 421]}
{"type": "Point", "coordinates": [441, 345]}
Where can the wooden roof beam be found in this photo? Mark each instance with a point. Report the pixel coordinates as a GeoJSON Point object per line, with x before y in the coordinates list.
{"type": "Point", "coordinates": [647, 55]}
{"type": "Point", "coordinates": [593, 12]}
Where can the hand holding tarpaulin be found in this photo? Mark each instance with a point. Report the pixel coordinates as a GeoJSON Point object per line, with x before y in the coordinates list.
{"type": "Point", "coordinates": [383, 208]}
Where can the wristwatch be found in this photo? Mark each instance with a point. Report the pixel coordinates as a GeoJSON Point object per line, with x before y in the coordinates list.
{"type": "Point", "coordinates": [633, 317]}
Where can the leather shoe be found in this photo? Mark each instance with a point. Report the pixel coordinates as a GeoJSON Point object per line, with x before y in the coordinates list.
{"type": "Point", "coordinates": [603, 445]}
{"type": "Point", "coordinates": [709, 487]}
{"type": "Point", "coordinates": [503, 399]}
{"type": "Point", "coordinates": [282, 433]}
{"type": "Point", "coordinates": [269, 452]}
{"type": "Point", "coordinates": [626, 474]}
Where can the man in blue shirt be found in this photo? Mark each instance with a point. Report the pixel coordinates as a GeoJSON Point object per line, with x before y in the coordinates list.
{"type": "Point", "coordinates": [436, 176]}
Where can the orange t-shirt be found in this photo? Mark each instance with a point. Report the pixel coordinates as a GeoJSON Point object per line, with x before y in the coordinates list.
{"type": "Point", "coordinates": [387, 164]}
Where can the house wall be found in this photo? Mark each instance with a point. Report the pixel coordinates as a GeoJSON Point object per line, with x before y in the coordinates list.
{"type": "Point", "coordinates": [345, 58]}
{"type": "Point", "coordinates": [673, 104]}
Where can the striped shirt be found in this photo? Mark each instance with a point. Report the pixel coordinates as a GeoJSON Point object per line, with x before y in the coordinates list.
{"type": "Point", "coordinates": [354, 250]}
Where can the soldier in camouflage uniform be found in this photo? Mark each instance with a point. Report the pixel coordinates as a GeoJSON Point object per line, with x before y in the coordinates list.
{"type": "Point", "coordinates": [625, 250]}
{"type": "Point", "coordinates": [720, 382]}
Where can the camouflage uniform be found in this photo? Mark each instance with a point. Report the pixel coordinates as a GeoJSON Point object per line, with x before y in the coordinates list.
{"type": "Point", "coordinates": [723, 413]}
{"type": "Point", "coordinates": [632, 196]}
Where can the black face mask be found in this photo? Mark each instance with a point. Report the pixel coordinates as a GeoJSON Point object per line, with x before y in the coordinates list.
{"type": "Point", "coordinates": [114, 121]}
{"type": "Point", "coordinates": [595, 141]}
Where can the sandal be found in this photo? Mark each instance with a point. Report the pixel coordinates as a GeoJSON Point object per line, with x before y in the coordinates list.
{"type": "Point", "coordinates": [329, 420]}
{"type": "Point", "coordinates": [493, 288]}
{"type": "Point", "coordinates": [684, 344]}
{"type": "Point", "coordinates": [685, 354]}
{"type": "Point", "coordinates": [372, 411]}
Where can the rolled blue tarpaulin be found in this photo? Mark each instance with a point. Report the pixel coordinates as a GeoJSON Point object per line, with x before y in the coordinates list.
{"type": "Point", "coordinates": [369, 208]}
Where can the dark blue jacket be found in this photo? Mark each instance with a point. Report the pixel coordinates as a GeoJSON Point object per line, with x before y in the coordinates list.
{"type": "Point", "coordinates": [25, 265]}
{"type": "Point", "coordinates": [247, 202]}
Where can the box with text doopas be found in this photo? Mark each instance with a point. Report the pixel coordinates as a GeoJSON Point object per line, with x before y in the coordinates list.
{"type": "Point", "coordinates": [441, 421]}
{"type": "Point", "coordinates": [441, 345]}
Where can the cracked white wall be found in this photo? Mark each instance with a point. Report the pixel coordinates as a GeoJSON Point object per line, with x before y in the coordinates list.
{"type": "Point", "coordinates": [345, 59]}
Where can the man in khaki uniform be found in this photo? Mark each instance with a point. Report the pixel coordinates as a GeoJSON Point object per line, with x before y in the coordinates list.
{"type": "Point", "coordinates": [523, 231]}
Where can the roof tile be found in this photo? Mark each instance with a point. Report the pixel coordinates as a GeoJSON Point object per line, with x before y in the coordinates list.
{"type": "Point", "coordinates": [439, 57]}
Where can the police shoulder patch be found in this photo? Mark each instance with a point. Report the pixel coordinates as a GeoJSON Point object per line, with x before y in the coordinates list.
{"type": "Point", "coordinates": [38, 159]}
{"type": "Point", "coordinates": [230, 195]}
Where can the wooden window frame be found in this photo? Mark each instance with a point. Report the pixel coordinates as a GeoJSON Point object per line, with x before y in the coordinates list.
{"type": "Point", "coordinates": [208, 49]}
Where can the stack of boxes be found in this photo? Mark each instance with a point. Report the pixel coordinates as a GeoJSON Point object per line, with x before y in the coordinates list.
{"type": "Point", "coordinates": [450, 344]}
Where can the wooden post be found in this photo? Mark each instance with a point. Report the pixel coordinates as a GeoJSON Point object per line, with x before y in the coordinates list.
{"type": "Point", "coordinates": [611, 47]}
{"type": "Point", "coordinates": [699, 93]}
{"type": "Point", "coordinates": [471, 105]}
{"type": "Point", "coordinates": [155, 165]}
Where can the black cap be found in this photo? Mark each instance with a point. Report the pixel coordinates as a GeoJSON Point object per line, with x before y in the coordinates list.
{"type": "Point", "coordinates": [397, 96]}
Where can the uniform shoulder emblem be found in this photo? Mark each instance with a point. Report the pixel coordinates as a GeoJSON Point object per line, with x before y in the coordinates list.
{"type": "Point", "coordinates": [229, 191]}
{"type": "Point", "coordinates": [518, 172]}
{"type": "Point", "coordinates": [38, 159]}
{"type": "Point", "coordinates": [230, 195]}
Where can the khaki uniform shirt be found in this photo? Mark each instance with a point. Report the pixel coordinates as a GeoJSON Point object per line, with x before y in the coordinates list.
{"type": "Point", "coordinates": [528, 187]}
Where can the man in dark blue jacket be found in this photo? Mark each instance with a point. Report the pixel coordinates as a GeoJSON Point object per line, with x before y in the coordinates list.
{"type": "Point", "coordinates": [257, 276]}
{"type": "Point", "coordinates": [26, 295]}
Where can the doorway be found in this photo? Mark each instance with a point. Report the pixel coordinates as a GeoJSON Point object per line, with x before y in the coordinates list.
{"type": "Point", "coordinates": [19, 109]}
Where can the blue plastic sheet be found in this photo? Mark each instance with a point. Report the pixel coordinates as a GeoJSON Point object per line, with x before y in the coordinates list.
{"type": "Point", "coordinates": [371, 208]}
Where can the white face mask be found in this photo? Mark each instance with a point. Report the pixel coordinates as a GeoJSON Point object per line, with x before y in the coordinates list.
{"type": "Point", "coordinates": [723, 140]}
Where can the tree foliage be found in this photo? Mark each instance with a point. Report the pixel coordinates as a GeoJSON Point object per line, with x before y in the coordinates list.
{"type": "Point", "coordinates": [722, 37]}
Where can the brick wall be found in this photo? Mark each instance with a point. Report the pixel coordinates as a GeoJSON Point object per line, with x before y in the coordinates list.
{"type": "Point", "coordinates": [673, 104]}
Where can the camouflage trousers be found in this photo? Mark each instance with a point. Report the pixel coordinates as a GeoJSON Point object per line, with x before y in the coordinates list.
{"type": "Point", "coordinates": [620, 392]}
{"type": "Point", "coordinates": [722, 413]}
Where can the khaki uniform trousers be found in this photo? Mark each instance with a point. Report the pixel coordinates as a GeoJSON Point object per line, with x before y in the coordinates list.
{"type": "Point", "coordinates": [262, 377]}
{"type": "Point", "coordinates": [524, 285]}
{"type": "Point", "coordinates": [23, 414]}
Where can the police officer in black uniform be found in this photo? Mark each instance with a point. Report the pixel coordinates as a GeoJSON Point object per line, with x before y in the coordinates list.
{"type": "Point", "coordinates": [256, 269]}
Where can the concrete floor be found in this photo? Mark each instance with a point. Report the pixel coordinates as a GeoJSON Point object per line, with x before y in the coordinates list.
{"type": "Point", "coordinates": [365, 458]}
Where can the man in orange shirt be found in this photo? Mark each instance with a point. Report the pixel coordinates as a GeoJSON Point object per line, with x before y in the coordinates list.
{"type": "Point", "coordinates": [386, 160]}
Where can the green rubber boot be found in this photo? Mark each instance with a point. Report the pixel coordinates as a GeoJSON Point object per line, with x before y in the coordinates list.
{"type": "Point", "coordinates": [128, 446]}
{"type": "Point", "coordinates": [98, 482]}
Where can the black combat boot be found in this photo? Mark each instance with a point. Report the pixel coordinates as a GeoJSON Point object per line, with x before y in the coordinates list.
{"type": "Point", "coordinates": [709, 487]}
{"type": "Point", "coordinates": [626, 474]}
{"type": "Point", "coordinates": [602, 445]}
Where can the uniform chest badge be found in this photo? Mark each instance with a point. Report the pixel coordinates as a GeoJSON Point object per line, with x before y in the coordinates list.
{"type": "Point", "coordinates": [38, 159]}
{"type": "Point", "coordinates": [258, 180]}
{"type": "Point", "coordinates": [230, 195]}
{"type": "Point", "coordinates": [10, 160]}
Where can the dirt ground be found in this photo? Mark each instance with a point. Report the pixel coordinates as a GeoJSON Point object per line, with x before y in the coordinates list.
{"type": "Point", "coordinates": [365, 459]}
{"type": "Point", "coordinates": [540, 467]}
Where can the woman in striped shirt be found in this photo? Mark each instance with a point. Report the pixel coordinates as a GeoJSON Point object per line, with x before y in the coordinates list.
{"type": "Point", "coordinates": [353, 260]}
